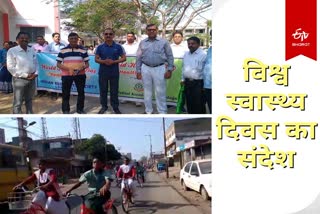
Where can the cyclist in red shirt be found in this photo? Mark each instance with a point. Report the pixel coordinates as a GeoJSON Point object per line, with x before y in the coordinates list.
{"type": "Point", "coordinates": [128, 173]}
{"type": "Point", "coordinates": [50, 195]}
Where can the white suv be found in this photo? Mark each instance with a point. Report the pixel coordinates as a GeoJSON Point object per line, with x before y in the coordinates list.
{"type": "Point", "coordinates": [196, 175]}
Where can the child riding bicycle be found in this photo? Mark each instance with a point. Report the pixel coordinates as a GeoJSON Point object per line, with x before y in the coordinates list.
{"type": "Point", "coordinates": [98, 180]}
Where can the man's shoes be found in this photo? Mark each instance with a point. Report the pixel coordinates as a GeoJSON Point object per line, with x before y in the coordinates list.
{"type": "Point", "coordinates": [102, 110]}
{"type": "Point", "coordinates": [81, 112]}
{"type": "Point", "coordinates": [117, 111]}
{"type": "Point", "coordinates": [66, 112]}
{"type": "Point", "coordinates": [132, 200]}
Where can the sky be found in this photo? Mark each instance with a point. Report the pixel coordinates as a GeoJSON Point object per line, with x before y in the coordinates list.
{"type": "Point", "coordinates": [128, 134]}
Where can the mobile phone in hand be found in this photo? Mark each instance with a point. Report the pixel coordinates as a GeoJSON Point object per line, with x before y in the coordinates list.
{"type": "Point", "coordinates": [76, 71]}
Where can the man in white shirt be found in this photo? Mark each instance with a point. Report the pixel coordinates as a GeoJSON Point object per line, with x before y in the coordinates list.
{"type": "Point", "coordinates": [21, 63]}
{"type": "Point", "coordinates": [179, 48]}
{"type": "Point", "coordinates": [192, 77]}
{"type": "Point", "coordinates": [131, 47]}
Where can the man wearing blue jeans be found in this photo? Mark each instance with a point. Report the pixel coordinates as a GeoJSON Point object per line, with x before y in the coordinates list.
{"type": "Point", "coordinates": [109, 55]}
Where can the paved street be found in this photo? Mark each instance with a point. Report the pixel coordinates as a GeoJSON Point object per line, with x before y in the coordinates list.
{"type": "Point", "coordinates": [155, 197]}
{"type": "Point", "coordinates": [192, 196]}
{"type": "Point", "coordinates": [47, 104]}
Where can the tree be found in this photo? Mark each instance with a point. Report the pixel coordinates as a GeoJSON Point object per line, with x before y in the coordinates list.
{"type": "Point", "coordinates": [205, 37]}
{"type": "Point", "coordinates": [94, 16]}
{"type": "Point", "coordinates": [97, 146]}
{"type": "Point", "coordinates": [171, 12]}
{"type": "Point", "coordinates": [144, 159]}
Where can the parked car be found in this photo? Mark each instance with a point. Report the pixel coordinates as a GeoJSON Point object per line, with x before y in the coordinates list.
{"type": "Point", "coordinates": [196, 175]}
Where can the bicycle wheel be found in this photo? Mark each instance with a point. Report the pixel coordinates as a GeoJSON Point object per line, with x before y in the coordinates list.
{"type": "Point", "coordinates": [125, 203]}
{"type": "Point", "coordinates": [113, 210]}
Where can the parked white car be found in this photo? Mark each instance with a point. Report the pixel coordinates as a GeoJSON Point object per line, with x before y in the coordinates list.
{"type": "Point", "coordinates": [196, 175]}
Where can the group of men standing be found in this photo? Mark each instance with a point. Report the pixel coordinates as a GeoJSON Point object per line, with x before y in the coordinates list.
{"type": "Point", "coordinates": [154, 65]}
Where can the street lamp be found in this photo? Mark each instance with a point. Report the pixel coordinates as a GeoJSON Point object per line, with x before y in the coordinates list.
{"type": "Point", "coordinates": [30, 124]}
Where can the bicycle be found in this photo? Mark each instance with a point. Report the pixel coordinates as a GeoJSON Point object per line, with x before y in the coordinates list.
{"type": "Point", "coordinates": [126, 196]}
{"type": "Point", "coordinates": [108, 206]}
{"type": "Point", "coordinates": [21, 200]}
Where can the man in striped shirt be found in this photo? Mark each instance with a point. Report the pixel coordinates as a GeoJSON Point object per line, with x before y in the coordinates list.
{"type": "Point", "coordinates": [73, 60]}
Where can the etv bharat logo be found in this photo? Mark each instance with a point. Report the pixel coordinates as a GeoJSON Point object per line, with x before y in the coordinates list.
{"type": "Point", "coordinates": [138, 87]}
{"type": "Point", "coordinates": [300, 34]}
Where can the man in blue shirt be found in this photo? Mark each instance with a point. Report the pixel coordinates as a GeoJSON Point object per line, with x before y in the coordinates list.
{"type": "Point", "coordinates": [5, 76]}
{"type": "Point", "coordinates": [207, 75]}
{"type": "Point", "coordinates": [109, 55]}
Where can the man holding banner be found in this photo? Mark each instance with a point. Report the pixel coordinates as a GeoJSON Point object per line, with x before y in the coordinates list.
{"type": "Point", "coordinates": [73, 60]}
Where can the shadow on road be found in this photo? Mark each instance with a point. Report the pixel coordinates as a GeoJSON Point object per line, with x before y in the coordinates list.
{"type": "Point", "coordinates": [153, 182]}
{"type": "Point", "coordinates": [144, 206]}
{"type": "Point", "coordinates": [146, 185]}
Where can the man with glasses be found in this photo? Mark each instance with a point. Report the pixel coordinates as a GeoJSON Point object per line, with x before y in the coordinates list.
{"type": "Point", "coordinates": [109, 55]}
{"type": "Point", "coordinates": [154, 65]}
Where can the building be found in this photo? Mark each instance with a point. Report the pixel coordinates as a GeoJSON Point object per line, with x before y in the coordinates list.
{"type": "Point", "coordinates": [59, 154]}
{"type": "Point", "coordinates": [187, 140]}
{"type": "Point", "coordinates": [128, 155]}
{"type": "Point", "coordinates": [157, 157]}
{"type": "Point", "coordinates": [7, 10]}
{"type": "Point", "coordinates": [17, 15]}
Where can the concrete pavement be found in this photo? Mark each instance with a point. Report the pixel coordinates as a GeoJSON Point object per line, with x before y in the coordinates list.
{"type": "Point", "coordinates": [47, 104]}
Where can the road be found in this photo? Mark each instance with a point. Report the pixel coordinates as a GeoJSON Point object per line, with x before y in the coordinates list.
{"type": "Point", "coordinates": [155, 197]}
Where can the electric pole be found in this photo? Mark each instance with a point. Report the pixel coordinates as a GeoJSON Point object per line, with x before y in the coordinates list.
{"type": "Point", "coordinates": [22, 132]}
{"type": "Point", "coordinates": [45, 134]}
{"type": "Point", "coordinates": [151, 159]}
{"type": "Point", "coordinates": [76, 129]}
{"type": "Point", "coordinates": [165, 147]}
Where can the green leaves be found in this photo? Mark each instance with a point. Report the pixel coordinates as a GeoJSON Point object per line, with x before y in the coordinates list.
{"type": "Point", "coordinates": [97, 146]}
{"type": "Point", "coordinates": [94, 16]}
